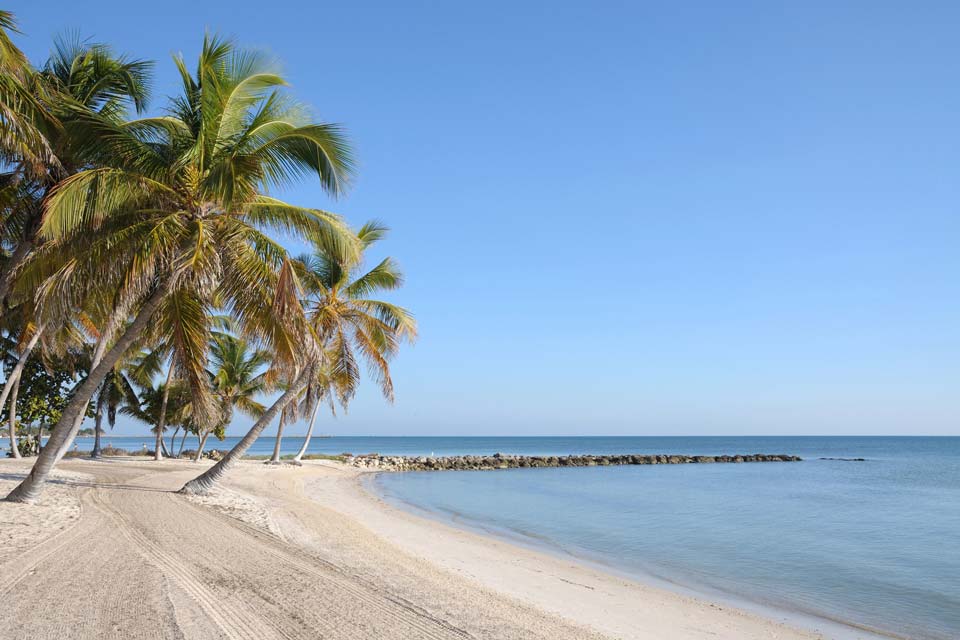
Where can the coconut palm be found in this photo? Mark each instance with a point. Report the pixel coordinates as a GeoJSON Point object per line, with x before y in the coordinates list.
{"type": "Point", "coordinates": [173, 216]}
{"type": "Point", "coordinates": [349, 323]}
{"type": "Point", "coordinates": [151, 401]}
{"type": "Point", "coordinates": [79, 77]}
{"type": "Point", "coordinates": [237, 378]}
{"type": "Point", "coordinates": [25, 122]}
{"type": "Point", "coordinates": [119, 388]}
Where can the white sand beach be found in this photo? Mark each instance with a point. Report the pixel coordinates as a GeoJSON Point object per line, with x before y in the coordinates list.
{"type": "Point", "coordinates": [286, 552]}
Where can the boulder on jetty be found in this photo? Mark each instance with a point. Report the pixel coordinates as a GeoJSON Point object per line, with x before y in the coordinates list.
{"type": "Point", "coordinates": [503, 461]}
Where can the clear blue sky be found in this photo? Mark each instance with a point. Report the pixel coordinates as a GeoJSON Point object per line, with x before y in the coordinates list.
{"type": "Point", "coordinates": [632, 218]}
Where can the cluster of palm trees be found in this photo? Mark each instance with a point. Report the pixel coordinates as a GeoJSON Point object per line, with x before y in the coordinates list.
{"type": "Point", "coordinates": [140, 248]}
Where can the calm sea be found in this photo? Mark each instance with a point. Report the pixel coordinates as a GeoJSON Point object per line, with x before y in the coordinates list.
{"type": "Point", "coordinates": [873, 543]}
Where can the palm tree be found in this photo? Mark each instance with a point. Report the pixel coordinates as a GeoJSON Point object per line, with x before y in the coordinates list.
{"type": "Point", "coordinates": [237, 379]}
{"type": "Point", "coordinates": [349, 322]}
{"type": "Point", "coordinates": [25, 123]}
{"type": "Point", "coordinates": [78, 78]}
{"type": "Point", "coordinates": [177, 213]}
{"type": "Point", "coordinates": [119, 388]}
{"type": "Point", "coordinates": [151, 403]}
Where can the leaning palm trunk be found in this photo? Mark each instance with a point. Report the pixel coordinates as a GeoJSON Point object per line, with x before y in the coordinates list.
{"type": "Point", "coordinates": [173, 443]}
{"type": "Point", "coordinates": [275, 459]}
{"type": "Point", "coordinates": [206, 481]}
{"type": "Point", "coordinates": [306, 438]}
{"type": "Point", "coordinates": [162, 421]}
{"type": "Point", "coordinates": [183, 440]}
{"type": "Point", "coordinates": [14, 379]}
{"type": "Point", "coordinates": [13, 417]}
{"type": "Point", "coordinates": [203, 443]}
{"type": "Point", "coordinates": [112, 326]}
{"type": "Point", "coordinates": [66, 428]}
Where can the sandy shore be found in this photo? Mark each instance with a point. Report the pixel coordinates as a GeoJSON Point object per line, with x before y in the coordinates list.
{"type": "Point", "coordinates": [305, 552]}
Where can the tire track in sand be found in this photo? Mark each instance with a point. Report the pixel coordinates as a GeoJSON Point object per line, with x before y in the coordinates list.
{"type": "Point", "coordinates": [300, 561]}
{"type": "Point", "coordinates": [235, 622]}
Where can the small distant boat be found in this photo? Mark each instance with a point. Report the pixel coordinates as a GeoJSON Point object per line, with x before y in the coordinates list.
{"type": "Point", "coordinates": [323, 435]}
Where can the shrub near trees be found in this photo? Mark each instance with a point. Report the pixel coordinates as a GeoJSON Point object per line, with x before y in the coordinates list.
{"type": "Point", "coordinates": [124, 234]}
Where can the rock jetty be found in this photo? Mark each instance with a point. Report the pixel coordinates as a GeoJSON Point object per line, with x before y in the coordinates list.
{"type": "Point", "coordinates": [503, 461]}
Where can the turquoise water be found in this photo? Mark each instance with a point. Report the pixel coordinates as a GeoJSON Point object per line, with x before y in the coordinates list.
{"type": "Point", "coordinates": [873, 543]}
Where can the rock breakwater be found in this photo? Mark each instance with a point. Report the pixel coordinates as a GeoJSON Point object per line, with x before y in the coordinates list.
{"type": "Point", "coordinates": [503, 461]}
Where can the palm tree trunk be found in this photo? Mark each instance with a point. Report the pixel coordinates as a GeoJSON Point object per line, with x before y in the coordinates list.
{"type": "Point", "coordinates": [162, 421]}
{"type": "Point", "coordinates": [276, 445]}
{"type": "Point", "coordinates": [17, 371]}
{"type": "Point", "coordinates": [13, 416]}
{"type": "Point", "coordinates": [182, 440]}
{"type": "Point", "coordinates": [206, 481]}
{"type": "Point", "coordinates": [173, 442]}
{"type": "Point", "coordinates": [66, 428]}
{"type": "Point", "coordinates": [158, 446]}
{"type": "Point", "coordinates": [120, 314]}
{"type": "Point", "coordinates": [203, 443]}
{"type": "Point", "coordinates": [163, 445]}
{"type": "Point", "coordinates": [98, 420]}
{"type": "Point", "coordinates": [306, 438]}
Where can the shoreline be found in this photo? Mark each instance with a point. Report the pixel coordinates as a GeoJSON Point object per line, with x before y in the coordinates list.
{"type": "Point", "coordinates": [590, 594]}
{"type": "Point", "coordinates": [814, 623]}
{"type": "Point", "coordinates": [347, 542]}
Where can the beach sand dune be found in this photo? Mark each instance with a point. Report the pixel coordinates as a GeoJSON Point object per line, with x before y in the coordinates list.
{"type": "Point", "coordinates": [282, 552]}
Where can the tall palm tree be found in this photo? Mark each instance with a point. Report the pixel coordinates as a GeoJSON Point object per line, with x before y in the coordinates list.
{"type": "Point", "coordinates": [348, 322]}
{"type": "Point", "coordinates": [237, 379]}
{"type": "Point", "coordinates": [78, 78]}
{"type": "Point", "coordinates": [177, 211]}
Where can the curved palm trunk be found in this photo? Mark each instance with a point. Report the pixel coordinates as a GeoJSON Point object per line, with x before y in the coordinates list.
{"type": "Point", "coordinates": [97, 431]}
{"type": "Point", "coordinates": [275, 459]}
{"type": "Point", "coordinates": [173, 442]}
{"type": "Point", "coordinates": [13, 384]}
{"type": "Point", "coordinates": [66, 428]}
{"type": "Point", "coordinates": [162, 421]}
{"type": "Point", "coordinates": [182, 441]}
{"type": "Point", "coordinates": [203, 443]}
{"type": "Point", "coordinates": [206, 481]}
{"type": "Point", "coordinates": [13, 416]}
{"type": "Point", "coordinates": [112, 326]}
{"type": "Point", "coordinates": [15, 374]}
{"type": "Point", "coordinates": [306, 438]}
